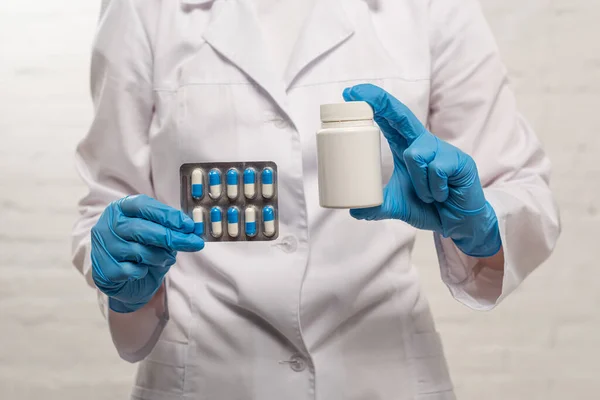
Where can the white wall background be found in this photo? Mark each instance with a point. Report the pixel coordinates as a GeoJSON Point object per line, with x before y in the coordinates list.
{"type": "Point", "coordinates": [542, 343]}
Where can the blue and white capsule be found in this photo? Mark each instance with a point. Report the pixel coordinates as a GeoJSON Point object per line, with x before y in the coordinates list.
{"type": "Point", "coordinates": [250, 224]}
{"type": "Point", "coordinates": [233, 180]}
{"type": "Point", "coordinates": [197, 183]}
{"type": "Point", "coordinates": [249, 183]}
{"type": "Point", "coordinates": [198, 217]}
{"type": "Point", "coordinates": [214, 183]}
{"type": "Point", "coordinates": [266, 180]}
{"type": "Point", "coordinates": [268, 215]}
{"type": "Point", "coordinates": [216, 222]}
{"type": "Point", "coordinates": [233, 222]}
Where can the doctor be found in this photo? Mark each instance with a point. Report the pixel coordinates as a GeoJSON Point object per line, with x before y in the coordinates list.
{"type": "Point", "coordinates": [332, 310]}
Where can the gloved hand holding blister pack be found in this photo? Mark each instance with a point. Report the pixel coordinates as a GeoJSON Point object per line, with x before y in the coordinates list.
{"type": "Point", "coordinates": [136, 239]}
{"type": "Point", "coordinates": [134, 243]}
{"type": "Point", "coordinates": [435, 186]}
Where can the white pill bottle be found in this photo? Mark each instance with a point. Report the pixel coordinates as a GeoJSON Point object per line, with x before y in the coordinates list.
{"type": "Point", "coordinates": [349, 156]}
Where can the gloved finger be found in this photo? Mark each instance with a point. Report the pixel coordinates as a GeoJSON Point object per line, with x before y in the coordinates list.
{"type": "Point", "coordinates": [130, 271]}
{"type": "Point", "coordinates": [141, 254]}
{"type": "Point", "coordinates": [459, 168]}
{"type": "Point", "coordinates": [462, 171]}
{"type": "Point", "coordinates": [367, 214]}
{"type": "Point", "coordinates": [395, 140]}
{"type": "Point", "coordinates": [106, 270]}
{"type": "Point", "coordinates": [386, 106]}
{"type": "Point", "coordinates": [156, 275]}
{"type": "Point", "coordinates": [438, 179]}
{"type": "Point", "coordinates": [399, 145]}
{"type": "Point", "coordinates": [145, 207]}
{"type": "Point", "coordinates": [152, 234]}
{"type": "Point", "coordinates": [417, 157]}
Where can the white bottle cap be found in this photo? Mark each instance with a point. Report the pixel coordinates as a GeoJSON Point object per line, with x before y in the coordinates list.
{"type": "Point", "coordinates": [349, 111]}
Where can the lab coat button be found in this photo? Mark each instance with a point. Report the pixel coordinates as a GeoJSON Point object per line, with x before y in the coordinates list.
{"type": "Point", "coordinates": [296, 363]}
{"type": "Point", "coordinates": [274, 118]}
{"type": "Point", "coordinates": [289, 244]}
{"type": "Point", "coordinates": [280, 123]}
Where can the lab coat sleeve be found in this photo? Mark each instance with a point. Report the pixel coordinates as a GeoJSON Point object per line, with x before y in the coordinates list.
{"type": "Point", "coordinates": [473, 107]}
{"type": "Point", "coordinates": [113, 158]}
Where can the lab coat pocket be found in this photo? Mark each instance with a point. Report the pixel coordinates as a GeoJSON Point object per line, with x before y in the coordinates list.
{"type": "Point", "coordinates": [161, 375]}
{"type": "Point", "coordinates": [430, 370]}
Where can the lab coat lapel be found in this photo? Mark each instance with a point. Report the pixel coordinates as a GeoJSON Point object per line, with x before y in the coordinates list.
{"type": "Point", "coordinates": [326, 28]}
{"type": "Point", "coordinates": [234, 32]}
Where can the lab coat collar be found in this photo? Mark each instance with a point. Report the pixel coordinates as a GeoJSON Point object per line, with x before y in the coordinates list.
{"type": "Point", "coordinates": [234, 32]}
{"type": "Point", "coordinates": [327, 27]}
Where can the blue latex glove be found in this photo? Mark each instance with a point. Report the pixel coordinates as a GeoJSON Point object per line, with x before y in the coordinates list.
{"type": "Point", "coordinates": [435, 186]}
{"type": "Point", "coordinates": [134, 244]}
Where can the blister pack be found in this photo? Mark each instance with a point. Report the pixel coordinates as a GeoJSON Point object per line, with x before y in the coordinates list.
{"type": "Point", "coordinates": [231, 201]}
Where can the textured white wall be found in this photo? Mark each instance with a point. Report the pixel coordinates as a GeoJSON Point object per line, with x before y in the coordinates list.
{"type": "Point", "coordinates": [542, 343]}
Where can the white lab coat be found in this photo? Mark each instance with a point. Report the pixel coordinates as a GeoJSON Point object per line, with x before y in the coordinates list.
{"type": "Point", "coordinates": [187, 81]}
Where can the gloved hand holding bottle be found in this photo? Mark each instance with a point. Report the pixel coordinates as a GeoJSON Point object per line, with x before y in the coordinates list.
{"type": "Point", "coordinates": [434, 186]}
{"type": "Point", "coordinates": [134, 243]}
